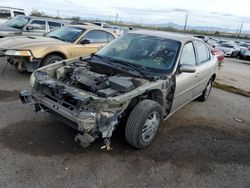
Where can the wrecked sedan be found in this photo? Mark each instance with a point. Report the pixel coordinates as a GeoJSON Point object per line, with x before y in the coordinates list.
{"type": "Point", "coordinates": [144, 76]}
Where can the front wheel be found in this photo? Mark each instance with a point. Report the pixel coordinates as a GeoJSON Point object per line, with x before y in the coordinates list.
{"type": "Point", "coordinates": [206, 92]}
{"type": "Point", "coordinates": [50, 59]}
{"type": "Point", "coordinates": [143, 123]}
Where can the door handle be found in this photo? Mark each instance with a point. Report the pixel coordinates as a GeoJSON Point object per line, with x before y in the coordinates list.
{"type": "Point", "coordinates": [196, 75]}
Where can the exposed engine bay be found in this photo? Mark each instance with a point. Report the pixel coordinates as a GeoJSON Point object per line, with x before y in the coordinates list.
{"type": "Point", "coordinates": [102, 81]}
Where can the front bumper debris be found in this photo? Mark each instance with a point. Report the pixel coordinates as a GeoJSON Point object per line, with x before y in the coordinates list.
{"type": "Point", "coordinates": [24, 64]}
{"type": "Point", "coordinates": [89, 124]}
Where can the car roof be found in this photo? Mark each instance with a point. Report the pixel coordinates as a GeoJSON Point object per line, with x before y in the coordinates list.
{"type": "Point", "coordinates": [41, 18]}
{"type": "Point", "coordinates": [163, 34]}
{"type": "Point", "coordinates": [90, 27]}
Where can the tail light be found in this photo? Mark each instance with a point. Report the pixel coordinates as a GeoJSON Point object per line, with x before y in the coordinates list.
{"type": "Point", "coordinates": [213, 52]}
{"type": "Point", "coordinates": [248, 48]}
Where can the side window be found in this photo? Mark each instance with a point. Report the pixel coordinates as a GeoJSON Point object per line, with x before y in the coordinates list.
{"type": "Point", "coordinates": [188, 55]}
{"type": "Point", "coordinates": [37, 25]}
{"type": "Point", "coordinates": [16, 13]}
{"type": "Point", "coordinates": [5, 14]}
{"type": "Point", "coordinates": [96, 37]}
{"type": "Point", "coordinates": [54, 25]}
{"type": "Point", "coordinates": [202, 52]}
{"type": "Point", "coordinates": [110, 37]}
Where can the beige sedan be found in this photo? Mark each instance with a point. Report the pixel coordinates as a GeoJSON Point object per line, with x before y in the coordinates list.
{"type": "Point", "coordinates": [28, 53]}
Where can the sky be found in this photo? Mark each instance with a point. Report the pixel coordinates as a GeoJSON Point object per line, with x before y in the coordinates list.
{"type": "Point", "coordinates": [210, 13]}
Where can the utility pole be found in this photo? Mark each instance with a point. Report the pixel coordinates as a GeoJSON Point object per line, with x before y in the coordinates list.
{"type": "Point", "coordinates": [116, 18]}
{"type": "Point", "coordinates": [185, 26]}
{"type": "Point", "coordinates": [241, 26]}
{"type": "Point", "coordinates": [57, 13]}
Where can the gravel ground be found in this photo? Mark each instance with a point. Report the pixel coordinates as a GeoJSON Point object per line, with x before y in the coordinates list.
{"type": "Point", "coordinates": [202, 145]}
{"type": "Point", "coordinates": [235, 73]}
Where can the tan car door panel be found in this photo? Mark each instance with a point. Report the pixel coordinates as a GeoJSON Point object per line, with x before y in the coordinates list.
{"type": "Point", "coordinates": [87, 49]}
{"type": "Point", "coordinates": [185, 82]}
{"type": "Point", "coordinates": [184, 89]}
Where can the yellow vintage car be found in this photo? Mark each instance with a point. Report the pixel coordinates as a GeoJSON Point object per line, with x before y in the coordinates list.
{"type": "Point", "coordinates": [29, 53]}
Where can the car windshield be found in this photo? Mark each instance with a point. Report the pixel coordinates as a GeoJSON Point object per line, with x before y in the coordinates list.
{"type": "Point", "coordinates": [67, 34]}
{"type": "Point", "coordinates": [154, 53]}
{"type": "Point", "coordinates": [17, 22]}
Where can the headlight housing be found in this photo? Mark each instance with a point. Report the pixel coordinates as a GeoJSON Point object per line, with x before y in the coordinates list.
{"type": "Point", "coordinates": [23, 53]}
{"type": "Point", "coordinates": [32, 80]}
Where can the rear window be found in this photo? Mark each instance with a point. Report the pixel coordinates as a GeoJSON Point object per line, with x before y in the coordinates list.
{"type": "Point", "coordinates": [16, 13]}
{"type": "Point", "coordinates": [54, 25]}
{"type": "Point", "coordinates": [5, 14]}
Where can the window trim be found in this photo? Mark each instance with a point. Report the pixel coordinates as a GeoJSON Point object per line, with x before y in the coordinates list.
{"type": "Point", "coordinates": [195, 53]}
{"type": "Point", "coordinates": [83, 36]}
{"type": "Point", "coordinates": [29, 23]}
{"type": "Point", "coordinates": [208, 53]}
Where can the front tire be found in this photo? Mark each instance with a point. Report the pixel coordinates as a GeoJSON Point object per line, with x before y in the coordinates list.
{"type": "Point", "coordinates": [50, 59]}
{"type": "Point", "coordinates": [143, 123]}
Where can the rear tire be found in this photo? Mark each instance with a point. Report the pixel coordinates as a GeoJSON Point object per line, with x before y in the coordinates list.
{"type": "Point", "coordinates": [206, 92]}
{"type": "Point", "coordinates": [50, 59]}
{"type": "Point", "coordinates": [143, 123]}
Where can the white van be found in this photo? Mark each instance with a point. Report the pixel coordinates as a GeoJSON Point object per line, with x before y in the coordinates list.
{"type": "Point", "coordinates": [9, 12]}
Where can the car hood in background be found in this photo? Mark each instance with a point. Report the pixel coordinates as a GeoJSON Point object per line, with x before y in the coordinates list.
{"type": "Point", "coordinates": [26, 42]}
{"type": "Point", "coordinates": [8, 31]}
{"type": "Point", "coordinates": [224, 49]}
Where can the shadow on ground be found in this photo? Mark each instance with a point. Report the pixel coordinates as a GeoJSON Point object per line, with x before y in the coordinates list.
{"type": "Point", "coordinates": [8, 95]}
{"type": "Point", "coordinates": [189, 143]}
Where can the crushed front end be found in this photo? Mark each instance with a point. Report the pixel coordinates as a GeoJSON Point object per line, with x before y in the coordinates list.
{"type": "Point", "coordinates": [88, 98]}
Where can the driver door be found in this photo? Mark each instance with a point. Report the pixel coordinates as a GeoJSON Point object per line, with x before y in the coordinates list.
{"type": "Point", "coordinates": [185, 82]}
{"type": "Point", "coordinates": [35, 27]}
{"type": "Point", "coordinates": [92, 41]}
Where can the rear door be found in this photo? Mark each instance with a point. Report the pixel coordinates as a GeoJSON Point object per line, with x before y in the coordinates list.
{"type": "Point", "coordinates": [97, 39]}
{"type": "Point", "coordinates": [185, 82]}
{"type": "Point", "coordinates": [204, 67]}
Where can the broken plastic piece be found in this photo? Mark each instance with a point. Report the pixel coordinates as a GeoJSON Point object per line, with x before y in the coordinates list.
{"type": "Point", "coordinates": [84, 139]}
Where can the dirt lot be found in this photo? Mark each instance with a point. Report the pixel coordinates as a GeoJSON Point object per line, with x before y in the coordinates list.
{"type": "Point", "coordinates": [202, 145]}
{"type": "Point", "coordinates": [235, 73]}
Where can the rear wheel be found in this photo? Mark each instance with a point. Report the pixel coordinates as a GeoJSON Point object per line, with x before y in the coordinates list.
{"type": "Point", "coordinates": [206, 92]}
{"type": "Point", "coordinates": [143, 123]}
{"type": "Point", "coordinates": [50, 59]}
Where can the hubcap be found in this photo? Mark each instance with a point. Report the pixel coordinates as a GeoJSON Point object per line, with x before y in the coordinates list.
{"type": "Point", "coordinates": [208, 89]}
{"type": "Point", "coordinates": [151, 126]}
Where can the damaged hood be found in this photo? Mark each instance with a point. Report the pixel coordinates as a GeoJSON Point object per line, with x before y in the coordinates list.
{"type": "Point", "coordinates": [26, 42]}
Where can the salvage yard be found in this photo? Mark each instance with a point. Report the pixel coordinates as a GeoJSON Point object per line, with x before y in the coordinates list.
{"type": "Point", "coordinates": [202, 145]}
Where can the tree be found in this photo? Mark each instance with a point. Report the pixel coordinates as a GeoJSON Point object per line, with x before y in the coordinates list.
{"type": "Point", "coordinates": [76, 18]}
{"type": "Point", "coordinates": [216, 33]}
{"type": "Point", "coordinates": [38, 13]}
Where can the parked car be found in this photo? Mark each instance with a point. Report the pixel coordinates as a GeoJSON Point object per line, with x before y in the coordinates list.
{"type": "Point", "coordinates": [243, 48]}
{"type": "Point", "coordinates": [7, 13]}
{"type": "Point", "coordinates": [230, 49]}
{"type": "Point", "coordinates": [219, 56]}
{"type": "Point", "coordinates": [30, 53]}
{"type": "Point", "coordinates": [202, 37]}
{"type": "Point", "coordinates": [102, 24]}
{"type": "Point", "coordinates": [212, 42]}
{"type": "Point", "coordinates": [145, 75]}
{"type": "Point", "coordinates": [28, 25]}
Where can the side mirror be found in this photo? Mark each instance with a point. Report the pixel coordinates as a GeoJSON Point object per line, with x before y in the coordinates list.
{"type": "Point", "coordinates": [187, 68]}
{"type": "Point", "coordinates": [29, 27]}
{"type": "Point", "coordinates": [85, 41]}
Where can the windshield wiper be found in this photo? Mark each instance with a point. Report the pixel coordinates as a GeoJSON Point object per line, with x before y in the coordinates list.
{"type": "Point", "coordinates": [56, 37]}
{"type": "Point", "coordinates": [113, 63]}
{"type": "Point", "coordinates": [139, 68]}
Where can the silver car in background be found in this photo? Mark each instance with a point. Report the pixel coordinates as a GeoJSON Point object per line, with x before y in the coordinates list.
{"type": "Point", "coordinates": [230, 49]}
